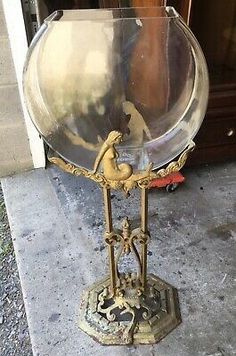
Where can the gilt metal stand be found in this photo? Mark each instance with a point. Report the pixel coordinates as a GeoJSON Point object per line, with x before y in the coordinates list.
{"type": "Point", "coordinates": [126, 307]}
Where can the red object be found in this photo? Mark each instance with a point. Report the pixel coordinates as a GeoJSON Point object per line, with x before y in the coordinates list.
{"type": "Point", "coordinates": [172, 178]}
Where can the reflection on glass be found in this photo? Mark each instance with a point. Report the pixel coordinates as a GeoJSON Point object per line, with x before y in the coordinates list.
{"type": "Point", "coordinates": [139, 71]}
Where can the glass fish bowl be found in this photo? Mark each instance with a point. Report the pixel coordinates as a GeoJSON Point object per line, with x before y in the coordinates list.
{"type": "Point", "coordinates": [139, 71]}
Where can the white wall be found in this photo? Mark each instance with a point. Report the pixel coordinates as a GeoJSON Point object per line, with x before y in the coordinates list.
{"type": "Point", "coordinates": [18, 44]}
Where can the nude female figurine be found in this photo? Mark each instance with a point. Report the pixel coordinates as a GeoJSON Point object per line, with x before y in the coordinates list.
{"type": "Point", "coordinates": [111, 169]}
{"type": "Point", "coordinates": [108, 157]}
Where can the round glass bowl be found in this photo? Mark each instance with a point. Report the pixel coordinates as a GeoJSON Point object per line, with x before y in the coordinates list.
{"type": "Point", "coordinates": [136, 70]}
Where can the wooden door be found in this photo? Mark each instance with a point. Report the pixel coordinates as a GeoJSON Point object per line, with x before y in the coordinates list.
{"type": "Point", "coordinates": [214, 24]}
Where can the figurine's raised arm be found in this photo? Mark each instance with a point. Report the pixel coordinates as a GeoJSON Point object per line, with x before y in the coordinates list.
{"type": "Point", "coordinates": [100, 156]}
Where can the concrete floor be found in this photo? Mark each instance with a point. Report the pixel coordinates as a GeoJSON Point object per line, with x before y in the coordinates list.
{"type": "Point", "coordinates": [57, 225]}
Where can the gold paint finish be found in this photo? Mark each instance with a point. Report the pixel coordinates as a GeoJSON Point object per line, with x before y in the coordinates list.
{"type": "Point", "coordinates": [122, 321]}
{"type": "Point", "coordinates": [120, 176]}
{"type": "Point", "coordinates": [128, 306]}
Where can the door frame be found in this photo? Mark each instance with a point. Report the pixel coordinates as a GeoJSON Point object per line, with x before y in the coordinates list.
{"type": "Point", "coordinates": [19, 46]}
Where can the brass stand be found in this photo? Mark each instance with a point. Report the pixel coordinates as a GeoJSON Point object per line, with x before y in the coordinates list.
{"type": "Point", "coordinates": [127, 307]}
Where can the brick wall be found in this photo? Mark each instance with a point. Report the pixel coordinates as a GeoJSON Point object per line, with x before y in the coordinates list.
{"type": "Point", "coordinates": [15, 153]}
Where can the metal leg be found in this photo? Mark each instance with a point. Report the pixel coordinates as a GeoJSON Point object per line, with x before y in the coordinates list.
{"type": "Point", "coordinates": [144, 231]}
{"type": "Point", "coordinates": [109, 229]}
{"type": "Point", "coordinates": [127, 307]}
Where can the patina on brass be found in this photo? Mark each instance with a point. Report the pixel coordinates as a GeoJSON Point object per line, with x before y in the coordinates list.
{"type": "Point", "coordinates": [126, 307]}
{"type": "Point", "coordinates": [139, 179]}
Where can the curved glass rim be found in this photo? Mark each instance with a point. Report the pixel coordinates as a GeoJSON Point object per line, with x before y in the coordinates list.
{"type": "Point", "coordinates": [185, 143]}
{"type": "Point", "coordinates": [122, 13]}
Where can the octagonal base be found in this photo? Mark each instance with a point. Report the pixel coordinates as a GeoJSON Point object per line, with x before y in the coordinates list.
{"type": "Point", "coordinates": [146, 322]}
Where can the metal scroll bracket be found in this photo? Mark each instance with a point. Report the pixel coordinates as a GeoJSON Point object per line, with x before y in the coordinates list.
{"type": "Point", "coordinates": [132, 306]}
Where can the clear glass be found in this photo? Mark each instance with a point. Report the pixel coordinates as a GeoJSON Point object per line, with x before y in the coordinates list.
{"type": "Point", "coordinates": [136, 70]}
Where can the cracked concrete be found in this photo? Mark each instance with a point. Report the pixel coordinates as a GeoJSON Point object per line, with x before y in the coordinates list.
{"type": "Point", "coordinates": [57, 225]}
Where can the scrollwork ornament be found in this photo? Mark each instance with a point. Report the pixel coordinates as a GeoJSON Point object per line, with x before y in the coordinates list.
{"type": "Point", "coordinates": [120, 176]}
{"type": "Point", "coordinates": [130, 298]}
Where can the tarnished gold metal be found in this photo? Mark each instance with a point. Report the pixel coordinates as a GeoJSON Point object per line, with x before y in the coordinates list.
{"type": "Point", "coordinates": [115, 321]}
{"type": "Point", "coordinates": [131, 306]}
{"type": "Point", "coordinates": [120, 176]}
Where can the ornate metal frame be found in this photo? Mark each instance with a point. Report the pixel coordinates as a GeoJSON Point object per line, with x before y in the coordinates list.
{"type": "Point", "coordinates": [130, 307]}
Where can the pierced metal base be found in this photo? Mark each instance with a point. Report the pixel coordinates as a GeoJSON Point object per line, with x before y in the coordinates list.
{"type": "Point", "coordinates": [129, 319]}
